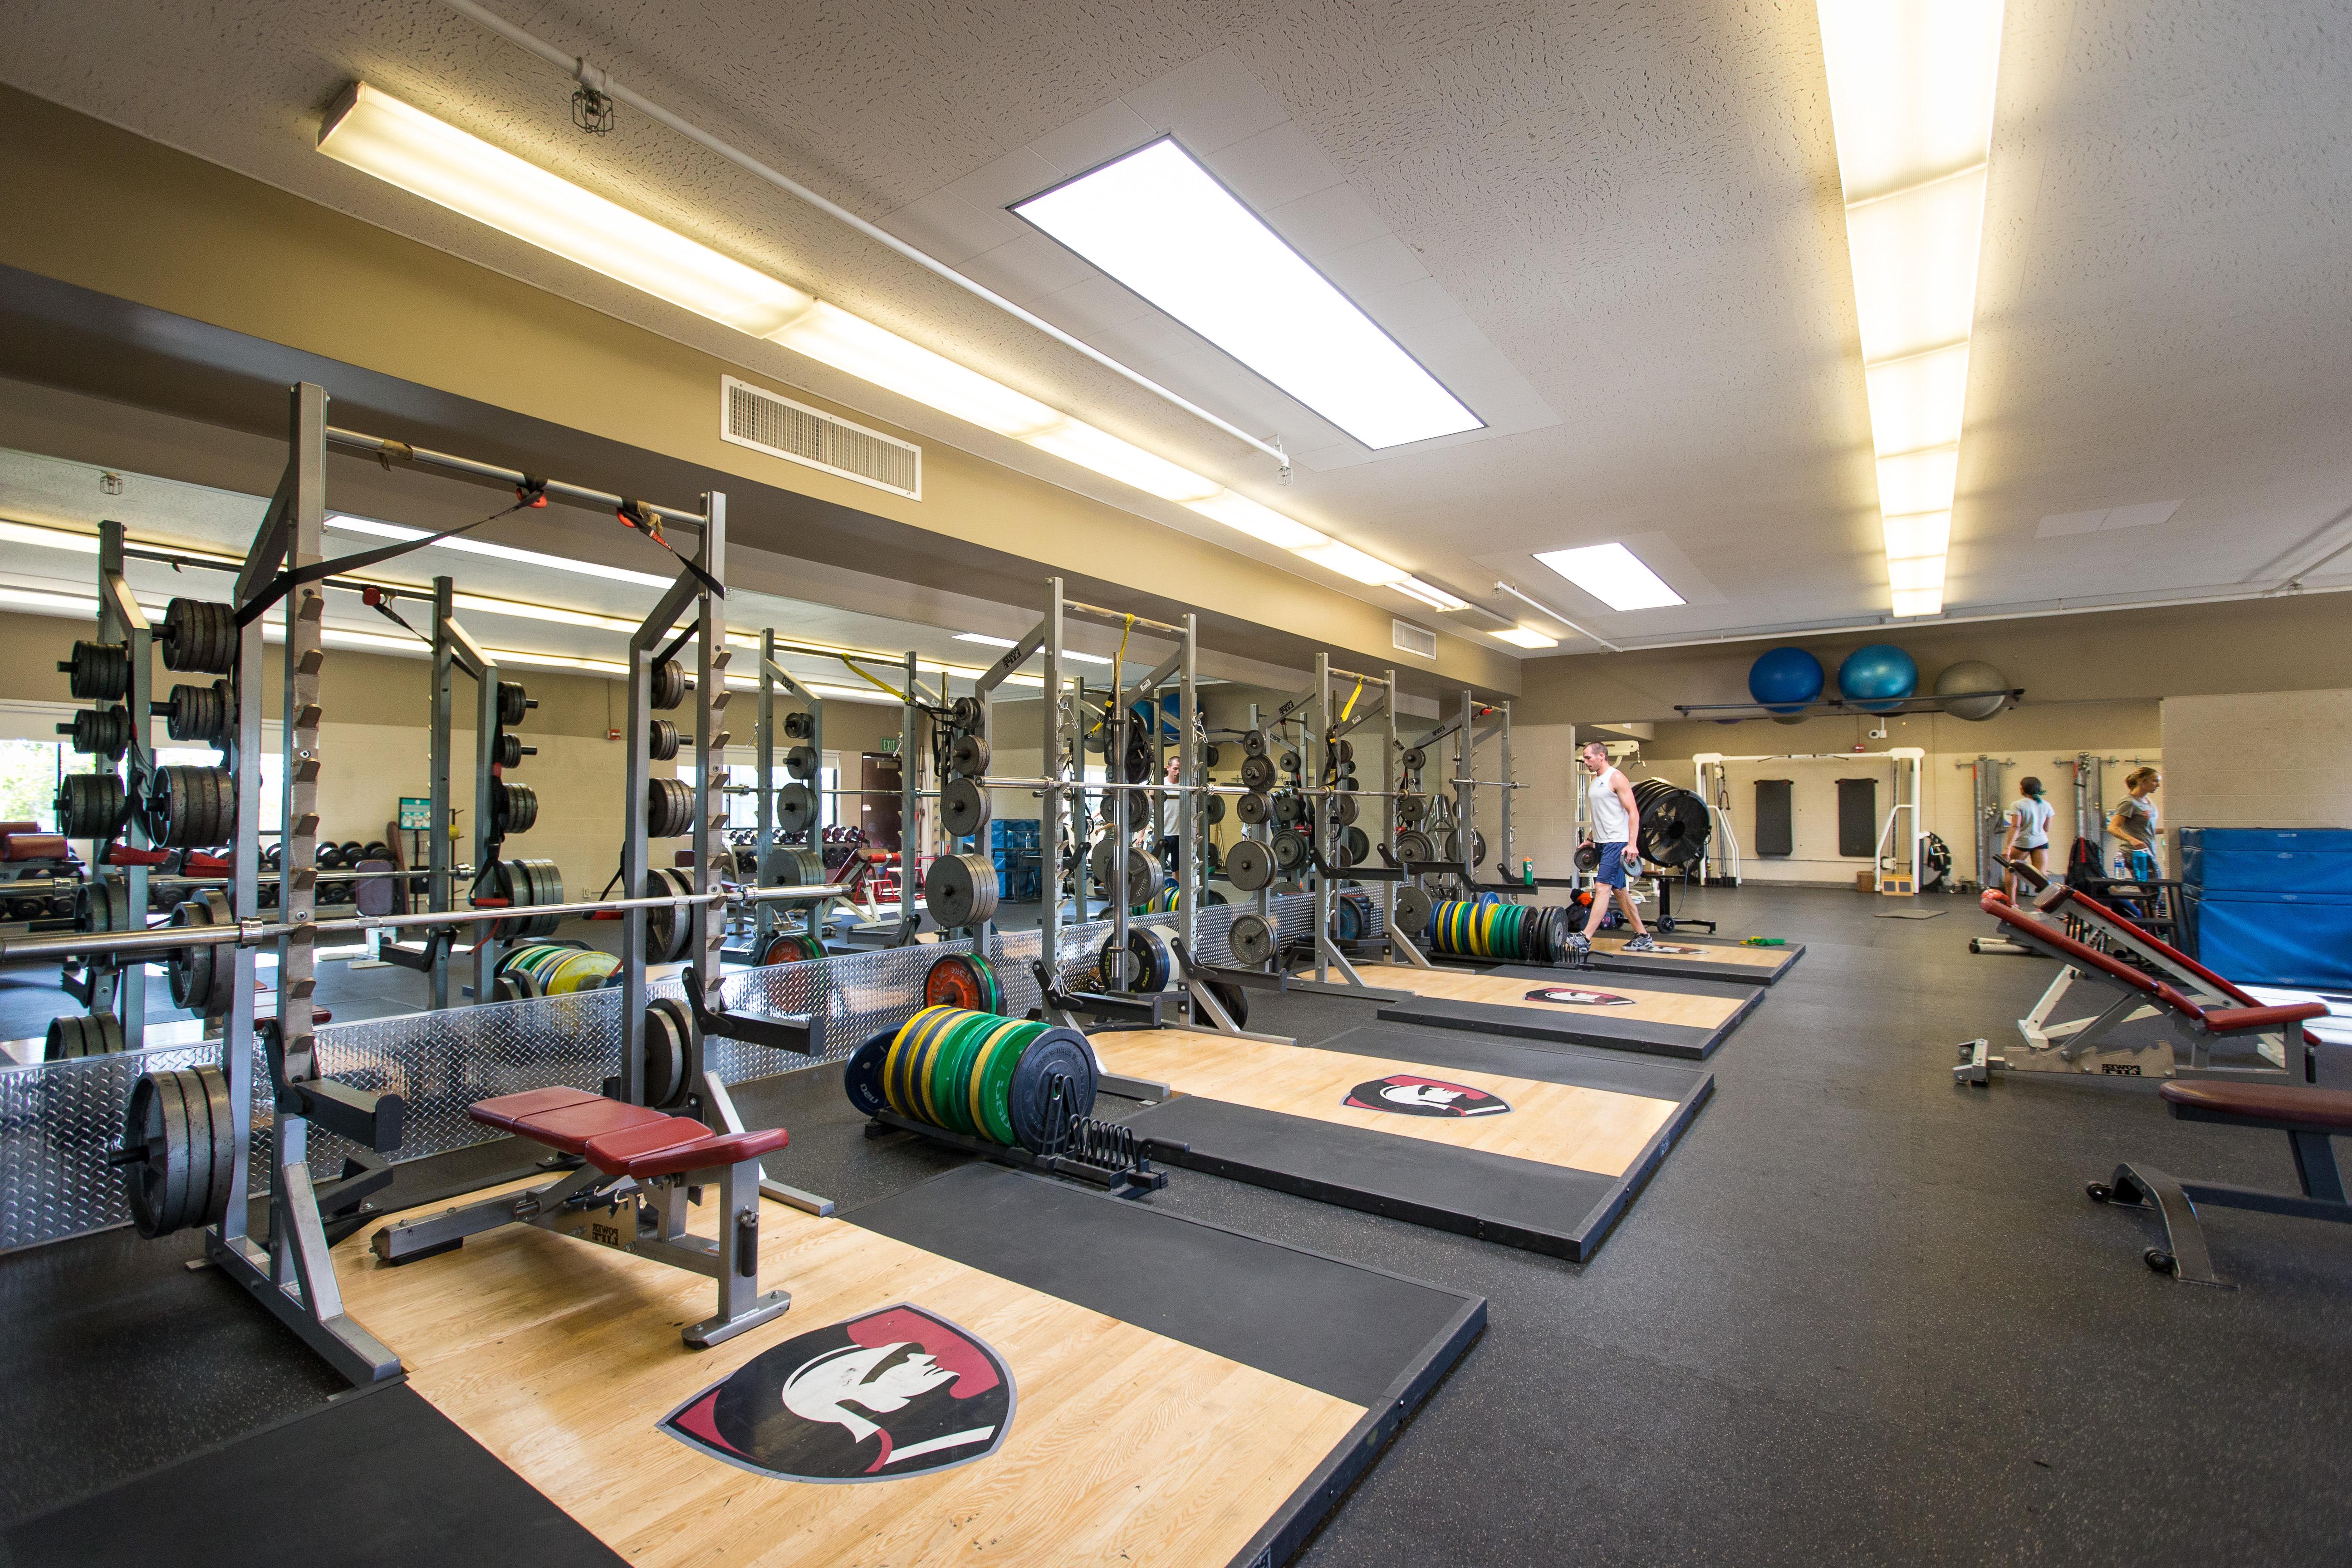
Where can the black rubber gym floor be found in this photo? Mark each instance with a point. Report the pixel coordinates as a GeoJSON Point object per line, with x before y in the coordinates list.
{"type": "Point", "coordinates": [1862, 1314]}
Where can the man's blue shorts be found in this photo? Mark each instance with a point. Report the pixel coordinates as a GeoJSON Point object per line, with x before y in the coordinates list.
{"type": "Point", "coordinates": [1613, 865]}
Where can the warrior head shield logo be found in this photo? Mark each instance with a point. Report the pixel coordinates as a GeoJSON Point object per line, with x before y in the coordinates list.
{"type": "Point", "coordinates": [896, 1393]}
{"type": "Point", "coordinates": [1410, 1096]}
{"type": "Point", "coordinates": [1577, 996]}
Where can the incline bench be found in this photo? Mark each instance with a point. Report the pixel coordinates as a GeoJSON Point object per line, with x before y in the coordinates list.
{"type": "Point", "coordinates": [2199, 1006]}
{"type": "Point", "coordinates": [2309, 1117]}
{"type": "Point", "coordinates": [633, 1193]}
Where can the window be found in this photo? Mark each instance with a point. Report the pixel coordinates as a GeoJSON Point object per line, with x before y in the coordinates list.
{"type": "Point", "coordinates": [29, 775]}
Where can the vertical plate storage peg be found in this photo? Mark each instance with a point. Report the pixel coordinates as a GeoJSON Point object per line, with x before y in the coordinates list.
{"type": "Point", "coordinates": [297, 956]}
{"type": "Point", "coordinates": [709, 923]}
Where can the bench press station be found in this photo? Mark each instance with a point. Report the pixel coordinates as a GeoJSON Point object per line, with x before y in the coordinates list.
{"type": "Point", "coordinates": [2201, 1006]}
{"type": "Point", "coordinates": [642, 1170]}
{"type": "Point", "coordinates": [2311, 1119]}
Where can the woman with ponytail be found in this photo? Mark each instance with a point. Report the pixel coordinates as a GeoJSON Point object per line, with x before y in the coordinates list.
{"type": "Point", "coordinates": [2134, 823]}
{"type": "Point", "coordinates": [2029, 831]}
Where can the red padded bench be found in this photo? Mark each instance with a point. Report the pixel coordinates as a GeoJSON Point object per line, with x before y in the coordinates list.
{"type": "Point", "coordinates": [2310, 1118]}
{"type": "Point", "coordinates": [2253, 1018]}
{"type": "Point", "coordinates": [618, 1138]}
{"type": "Point", "coordinates": [642, 1172]}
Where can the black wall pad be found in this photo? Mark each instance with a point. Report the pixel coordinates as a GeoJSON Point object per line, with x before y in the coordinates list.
{"type": "Point", "coordinates": [1371, 1338]}
{"type": "Point", "coordinates": [1553, 1209]}
{"type": "Point", "coordinates": [398, 1485]}
{"type": "Point", "coordinates": [1574, 1025]}
{"type": "Point", "coordinates": [1776, 830]}
{"type": "Point", "coordinates": [1858, 818]}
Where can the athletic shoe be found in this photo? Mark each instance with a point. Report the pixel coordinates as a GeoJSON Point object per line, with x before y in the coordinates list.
{"type": "Point", "coordinates": [1642, 944]}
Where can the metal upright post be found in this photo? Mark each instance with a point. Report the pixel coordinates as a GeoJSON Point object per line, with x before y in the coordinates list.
{"type": "Point", "coordinates": [305, 609]}
{"type": "Point", "coordinates": [1312, 751]}
{"type": "Point", "coordinates": [1189, 775]}
{"type": "Point", "coordinates": [437, 847]}
{"type": "Point", "coordinates": [486, 783]}
{"type": "Point", "coordinates": [120, 619]}
{"type": "Point", "coordinates": [1049, 830]}
{"type": "Point", "coordinates": [1389, 807]}
{"type": "Point", "coordinates": [709, 925]}
{"type": "Point", "coordinates": [1507, 864]}
{"type": "Point", "coordinates": [1465, 795]}
{"type": "Point", "coordinates": [910, 781]}
{"type": "Point", "coordinates": [1263, 899]}
{"type": "Point", "coordinates": [1115, 774]}
{"type": "Point", "coordinates": [763, 758]}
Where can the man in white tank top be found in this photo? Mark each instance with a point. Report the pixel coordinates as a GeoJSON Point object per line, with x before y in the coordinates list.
{"type": "Point", "coordinates": [1613, 815]}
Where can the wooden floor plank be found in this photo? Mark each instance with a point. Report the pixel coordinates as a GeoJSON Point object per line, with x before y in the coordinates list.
{"type": "Point", "coordinates": [1595, 1129]}
{"type": "Point", "coordinates": [1649, 1006]}
{"type": "Point", "coordinates": [561, 1357]}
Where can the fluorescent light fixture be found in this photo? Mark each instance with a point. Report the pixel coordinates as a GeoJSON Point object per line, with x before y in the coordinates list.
{"type": "Point", "coordinates": [1244, 515]}
{"type": "Point", "coordinates": [1612, 574]}
{"type": "Point", "coordinates": [1526, 637]}
{"type": "Point", "coordinates": [1131, 465]}
{"type": "Point", "coordinates": [375, 132]}
{"type": "Point", "coordinates": [1917, 401]}
{"type": "Point", "coordinates": [52, 603]}
{"type": "Point", "coordinates": [549, 613]}
{"type": "Point", "coordinates": [1429, 594]}
{"type": "Point", "coordinates": [851, 343]}
{"type": "Point", "coordinates": [49, 538]}
{"type": "Point", "coordinates": [1919, 481]}
{"type": "Point", "coordinates": [341, 523]}
{"type": "Point", "coordinates": [986, 641]}
{"type": "Point", "coordinates": [1159, 223]}
{"type": "Point", "coordinates": [1350, 562]}
{"type": "Point", "coordinates": [1920, 534]}
{"type": "Point", "coordinates": [1911, 87]}
{"type": "Point", "coordinates": [850, 693]}
{"type": "Point", "coordinates": [1917, 576]}
{"type": "Point", "coordinates": [1332, 343]}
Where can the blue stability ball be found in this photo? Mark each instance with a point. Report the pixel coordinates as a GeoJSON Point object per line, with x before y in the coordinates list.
{"type": "Point", "coordinates": [1875, 679]}
{"type": "Point", "coordinates": [1786, 679]}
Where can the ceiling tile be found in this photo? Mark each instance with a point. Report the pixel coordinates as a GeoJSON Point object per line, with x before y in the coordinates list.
{"type": "Point", "coordinates": [946, 226]}
{"type": "Point", "coordinates": [1027, 268]}
{"type": "Point", "coordinates": [1000, 182]}
{"type": "Point", "coordinates": [1094, 138]}
{"type": "Point", "coordinates": [1091, 305]}
{"type": "Point", "coordinates": [1332, 218]}
{"type": "Point", "coordinates": [1209, 104]}
{"type": "Point", "coordinates": [1276, 165]}
{"type": "Point", "coordinates": [1372, 265]}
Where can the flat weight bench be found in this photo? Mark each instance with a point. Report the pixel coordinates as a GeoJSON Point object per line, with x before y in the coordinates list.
{"type": "Point", "coordinates": [2081, 1045]}
{"type": "Point", "coordinates": [2310, 1118]}
{"type": "Point", "coordinates": [642, 1170]}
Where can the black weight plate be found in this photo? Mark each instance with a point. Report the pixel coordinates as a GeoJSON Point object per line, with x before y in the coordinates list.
{"type": "Point", "coordinates": [1254, 743]}
{"type": "Point", "coordinates": [795, 809]}
{"type": "Point", "coordinates": [1056, 1050]}
{"type": "Point", "coordinates": [861, 1076]}
{"type": "Point", "coordinates": [664, 1053]}
{"type": "Point", "coordinates": [1253, 808]}
{"type": "Point", "coordinates": [1257, 772]}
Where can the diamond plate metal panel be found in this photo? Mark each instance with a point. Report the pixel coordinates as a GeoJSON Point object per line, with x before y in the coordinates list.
{"type": "Point", "coordinates": [59, 1121]}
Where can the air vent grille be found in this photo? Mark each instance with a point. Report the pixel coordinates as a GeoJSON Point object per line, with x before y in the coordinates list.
{"type": "Point", "coordinates": [1406, 637]}
{"type": "Point", "coordinates": [754, 417]}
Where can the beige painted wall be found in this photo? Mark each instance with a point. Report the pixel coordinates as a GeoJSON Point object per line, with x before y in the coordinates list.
{"type": "Point", "coordinates": [2290, 643]}
{"type": "Point", "coordinates": [2033, 739]}
{"type": "Point", "coordinates": [2279, 759]}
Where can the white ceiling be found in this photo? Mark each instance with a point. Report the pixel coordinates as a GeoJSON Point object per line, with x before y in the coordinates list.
{"type": "Point", "coordinates": [1627, 218]}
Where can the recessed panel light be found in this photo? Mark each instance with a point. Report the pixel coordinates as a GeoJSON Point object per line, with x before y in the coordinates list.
{"type": "Point", "coordinates": [1526, 637]}
{"type": "Point", "coordinates": [1160, 224]}
{"type": "Point", "coordinates": [1612, 574]}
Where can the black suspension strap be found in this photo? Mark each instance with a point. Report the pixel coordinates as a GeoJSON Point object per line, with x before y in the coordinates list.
{"type": "Point", "coordinates": [530, 493]}
{"type": "Point", "coordinates": [647, 521]}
